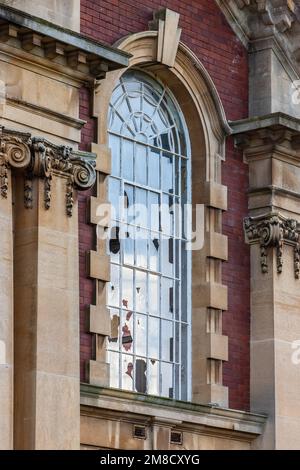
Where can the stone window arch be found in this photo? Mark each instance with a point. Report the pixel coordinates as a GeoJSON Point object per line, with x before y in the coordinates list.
{"type": "Point", "coordinates": [186, 78]}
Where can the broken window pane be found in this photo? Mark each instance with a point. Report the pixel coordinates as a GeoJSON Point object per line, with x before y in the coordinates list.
{"type": "Point", "coordinates": [141, 334]}
{"type": "Point", "coordinates": [141, 291]}
{"type": "Point", "coordinates": [127, 288]}
{"type": "Point", "coordinates": [154, 251]}
{"type": "Point", "coordinates": [141, 375]}
{"type": "Point", "coordinates": [127, 371]}
{"type": "Point", "coordinates": [153, 385]}
{"type": "Point", "coordinates": [113, 339]}
{"type": "Point", "coordinates": [127, 331]}
{"type": "Point", "coordinates": [128, 244]}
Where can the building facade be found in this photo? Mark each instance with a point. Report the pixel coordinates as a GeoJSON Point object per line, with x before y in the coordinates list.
{"type": "Point", "coordinates": [150, 224]}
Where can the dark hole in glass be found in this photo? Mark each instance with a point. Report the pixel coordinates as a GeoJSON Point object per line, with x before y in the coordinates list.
{"type": "Point", "coordinates": [155, 242]}
{"type": "Point", "coordinates": [114, 242]}
{"type": "Point", "coordinates": [171, 302]}
{"type": "Point", "coordinates": [140, 376]}
{"type": "Point", "coordinates": [126, 200]}
{"type": "Point", "coordinates": [171, 256]}
{"type": "Point", "coordinates": [126, 338]}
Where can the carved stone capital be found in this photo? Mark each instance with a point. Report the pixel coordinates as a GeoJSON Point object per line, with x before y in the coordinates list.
{"type": "Point", "coordinates": [273, 231]}
{"type": "Point", "coordinates": [39, 158]}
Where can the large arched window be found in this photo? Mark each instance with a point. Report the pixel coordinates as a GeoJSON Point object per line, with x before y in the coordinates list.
{"type": "Point", "coordinates": [149, 296]}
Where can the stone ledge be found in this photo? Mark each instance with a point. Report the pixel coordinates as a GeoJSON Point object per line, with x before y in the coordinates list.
{"type": "Point", "coordinates": [261, 122]}
{"type": "Point", "coordinates": [97, 401]}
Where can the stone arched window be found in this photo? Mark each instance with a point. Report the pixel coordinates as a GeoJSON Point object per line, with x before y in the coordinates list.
{"type": "Point", "coordinates": [162, 62]}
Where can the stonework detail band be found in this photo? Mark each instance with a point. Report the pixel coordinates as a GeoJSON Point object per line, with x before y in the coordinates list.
{"type": "Point", "coordinates": [40, 158]}
{"type": "Point", "coordinates": [273, 231]}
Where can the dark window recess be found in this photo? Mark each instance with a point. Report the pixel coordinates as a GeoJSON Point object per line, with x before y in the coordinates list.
{"type": "Point", "coordinates": [171, 392]}
{"type": "Point", "coordinates": [140, 376]}
{"type": "Point", "coordinates": [171, 300]}
{"type": "Point", "coordinates": [171, 256]}
{"type": "Point", "coordinates": [171, 349]}
{"type": "Point", "coordinates": [114, 242]}
{"type": "Point", "coordinates": [139, 432]}
{"type": "Point", "coordinates": [176, 437]}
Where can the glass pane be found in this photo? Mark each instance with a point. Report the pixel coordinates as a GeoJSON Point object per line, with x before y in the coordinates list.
{"type": "Point", "coordinates": [127, 372]}
{"type": "Point", "coordinates": [128, 204]}
{"type": "Point", "coordinates": [154, 295]}
{"type": "Point", "coordinates": [153, 385]}
{"type": "Point", "coordinates": [154, 210]}
{"type": "Point", "coordinates": [114, 144]}
{"type": "Point", "coordinates": [141, 209]}
{"type": "Point", "coordinates": [167, 297]}
{"type": "Point", "coordinates": [141, 291]}
{"type": "Point", "coordinates": [166, 380]}
{"type": "Point", "coordinates": [167, 251]}
{"type": "Point", "coordinates": [113, 339]}
{"type": "Point", "coordinates": [113, 286]}
{"type": "Point", "coordinates": [153, 338]}
{"type": "Point", "coordinates": [141, 244]}
{"type": "Point", "coordinates": [167, 341]}
{"type": "Point", "coordinates": [127, 159]}
{"type": "Point", "coordinates": [184, 358]}
{"type": "Point", "coordinates": [167, 215]}
{"type": "Point", "coordinates": [153, 169]}
{"type": "Point", "coordinates": [141, 334]}
{"type": "Point", "coordinates": [154, 251]}
{"type": "Point", "coordinates": [128, 244]}
{"type": "Point", "coordinates": [167, 173]}
{"type": "Point", "coordinates": [114, 375]}
{"type": "Point", "coordinates": [141, 164]}
{"type": "Point", "coordinates": [127, 288]}
{"type": "Point", "coordinates": [114, 197]}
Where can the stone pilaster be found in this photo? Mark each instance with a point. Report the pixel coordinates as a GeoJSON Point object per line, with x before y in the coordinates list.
{"type": "Point", "coordinates": [271, 147]}
{"type": "Point", "coordinates": [44, 187]}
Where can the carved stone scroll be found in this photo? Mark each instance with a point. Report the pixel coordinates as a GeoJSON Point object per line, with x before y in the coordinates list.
{"type": "Point", "coordinates": [273, 231]}
{"type": "Point", "coordinates": [38, 157]}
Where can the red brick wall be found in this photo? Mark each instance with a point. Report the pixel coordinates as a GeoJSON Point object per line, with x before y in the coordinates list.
{"type": "Point", "coordinates": [206, 32]}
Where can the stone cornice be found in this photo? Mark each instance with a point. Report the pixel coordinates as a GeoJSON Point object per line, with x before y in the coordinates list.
{"type": "Point", "coordinates": [254, 20]}
{"type": "Point", "coordinates": [273, 231]}
{"type": "Point", "coordinates": [58, 45]}
{"type": "Point", "coordinates": [261, 137]}
{"type": "Point", "coordinates": [37, 157]}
